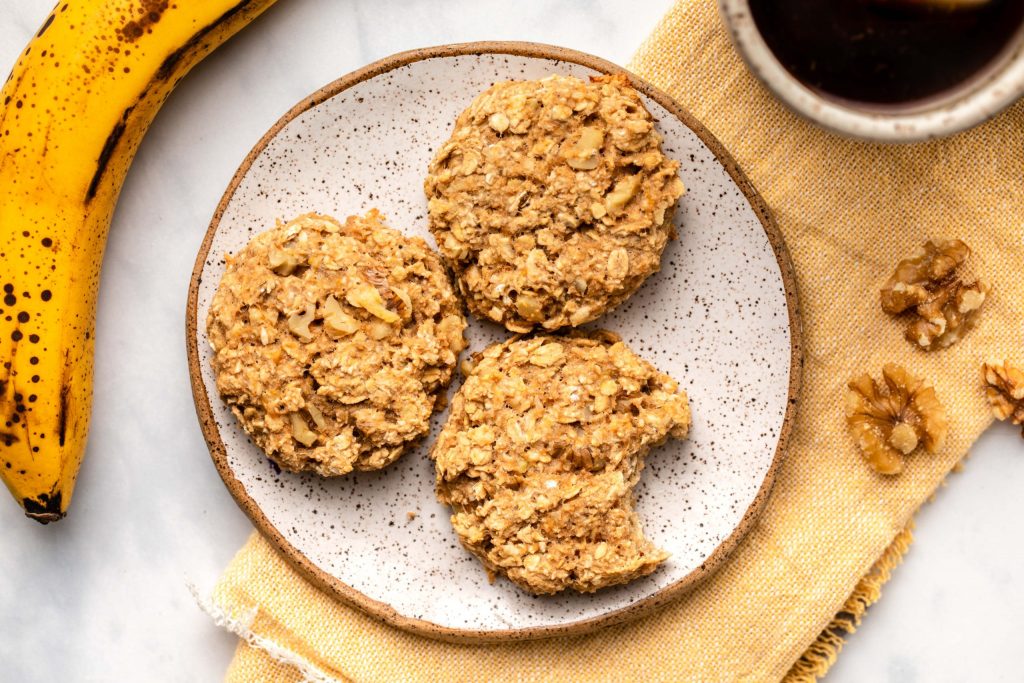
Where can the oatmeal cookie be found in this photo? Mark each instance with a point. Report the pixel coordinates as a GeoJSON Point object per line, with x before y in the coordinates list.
{"type": "Point", "coordinates": [553, 200]}
{"type": "Point", "coordinates": [333, 342]}
{"type": "Point", "coordinates": [540, 454]}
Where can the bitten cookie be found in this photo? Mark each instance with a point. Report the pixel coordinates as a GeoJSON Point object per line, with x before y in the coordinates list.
{"type": "Point", "coordinates": [553, 200]}
{"type": "Point", "coordinates": [540, 454]}
{"type": "Point", "coordinates": [332, 342]}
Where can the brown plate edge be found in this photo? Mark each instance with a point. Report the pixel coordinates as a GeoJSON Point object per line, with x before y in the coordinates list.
{"type": "Point", "coordinates": [381, 610]}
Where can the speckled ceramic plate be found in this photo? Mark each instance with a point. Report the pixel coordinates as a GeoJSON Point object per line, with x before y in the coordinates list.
{"type": "Point", "coordinates": [721, 317]}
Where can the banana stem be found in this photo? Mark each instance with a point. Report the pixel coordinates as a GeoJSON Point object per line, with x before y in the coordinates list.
{"type": "Point", "coordinates": [45, 517]}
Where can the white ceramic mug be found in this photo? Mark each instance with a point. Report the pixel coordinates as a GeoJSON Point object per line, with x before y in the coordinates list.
{"type": "Point", "coordinates": [961, 107]}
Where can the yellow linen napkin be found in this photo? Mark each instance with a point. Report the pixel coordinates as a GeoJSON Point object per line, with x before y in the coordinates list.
{"type": "Point", "coordinates": [832, 529]}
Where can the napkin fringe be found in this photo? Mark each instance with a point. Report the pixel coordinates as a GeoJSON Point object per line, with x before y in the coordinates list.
{"type": "Point", "coordinates": [240, 623]}
{"type": "Point", "coordinates": [822, 653]}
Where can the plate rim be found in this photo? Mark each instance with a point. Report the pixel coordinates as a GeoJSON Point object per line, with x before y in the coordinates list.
{"type": "Point", "coordinates": [381, 610]}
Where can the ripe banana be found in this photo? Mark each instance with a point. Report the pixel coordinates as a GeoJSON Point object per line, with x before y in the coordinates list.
{"type": "Point", "coordinates": [72, 113]}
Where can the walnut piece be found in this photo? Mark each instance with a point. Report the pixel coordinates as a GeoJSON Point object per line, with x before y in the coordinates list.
{"type": "Point", "coordinates": [337, 322]}
{"type": "Point", "coordinates": [584, 154]}
{"type": "Point", "coordinates": [301, 431]}
{"type": "Point", "coordinates": [298, 323]}
{"type": "Point", "coordinates": [283, 262]}
{"type": "Point", "coordinates": [368, 297]}
{"type": "Point", "coordinates": [936, 286]}
{"type": "Point", "coordinates": [620, 195]}
{"type": "Point", "coordinates": [1004, 388]}
{"type": "Point", "coordinates": [890, 420]}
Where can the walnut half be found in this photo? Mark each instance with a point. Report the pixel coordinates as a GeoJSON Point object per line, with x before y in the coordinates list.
{"type": "Point", "coordinates": [937, 287]}
{"type": "Point", "coordinates": [892, 419]}
{"type": "Point", "coordinates": [1004, 388]}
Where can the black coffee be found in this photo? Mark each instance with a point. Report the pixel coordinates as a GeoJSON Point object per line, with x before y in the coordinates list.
{"type": "Point", "coordinates": [886, 51]}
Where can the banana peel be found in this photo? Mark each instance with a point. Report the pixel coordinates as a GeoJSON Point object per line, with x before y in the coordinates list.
{"type": "Point", "coordinates": [72, 114]}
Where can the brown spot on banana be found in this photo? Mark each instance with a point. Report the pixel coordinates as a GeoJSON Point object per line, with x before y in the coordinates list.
{"type": "Point", "coordinates": [107, 152]}
{"type": "Point", "coordinates": [46, 25]}
{"type": "Point", "coordinates": [62, 417]}
{"type": "Point", "coordinates": [150, 11]}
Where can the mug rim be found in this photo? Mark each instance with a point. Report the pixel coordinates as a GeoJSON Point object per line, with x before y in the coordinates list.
{"type": "Point", "coordinates": [977, 102]}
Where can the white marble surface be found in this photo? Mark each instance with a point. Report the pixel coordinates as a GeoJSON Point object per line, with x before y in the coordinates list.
{"type": "Point", "coordinates": [102, 596]}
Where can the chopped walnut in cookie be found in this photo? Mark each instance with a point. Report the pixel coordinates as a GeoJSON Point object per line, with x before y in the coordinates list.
{"type": "Point", "coordinates": [892, 419]}
{"type": "Point", "coordinates": [936, 286]}
{"type": "Point", "coordinates": [1004, 388]}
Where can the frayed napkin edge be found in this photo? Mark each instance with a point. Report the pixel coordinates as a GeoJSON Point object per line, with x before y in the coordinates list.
{"type": "Point", "coordinates": [240, 623]}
